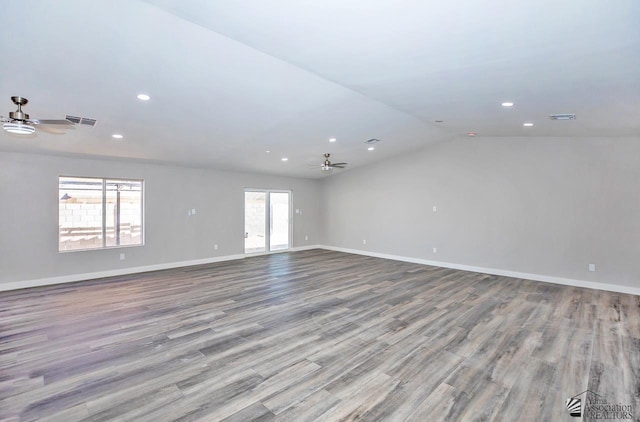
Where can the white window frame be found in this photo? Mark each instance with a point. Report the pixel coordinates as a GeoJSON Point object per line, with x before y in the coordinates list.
{"type": "Point", "coordinates": [104, 213]}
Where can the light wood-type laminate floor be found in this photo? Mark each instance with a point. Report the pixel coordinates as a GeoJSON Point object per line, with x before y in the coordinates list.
{"type": "Point", "coordinates": [314, 335]}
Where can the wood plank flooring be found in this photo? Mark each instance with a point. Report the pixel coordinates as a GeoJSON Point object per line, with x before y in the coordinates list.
{"type": "Point", "coordinates": [314, 336]}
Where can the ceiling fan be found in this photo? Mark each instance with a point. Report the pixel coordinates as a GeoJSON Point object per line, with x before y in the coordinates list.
{"type": "Point", "coordinates": [328, 166]}
{"type": "Point", "coordinates": [19, 122]}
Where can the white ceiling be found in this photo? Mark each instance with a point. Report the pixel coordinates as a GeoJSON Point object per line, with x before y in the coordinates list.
{"type": "Point", "coordinates": [230, 80]}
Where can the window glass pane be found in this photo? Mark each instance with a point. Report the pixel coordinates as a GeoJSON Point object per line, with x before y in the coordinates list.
{"type": "Point", "coordinates": [124, 212]}
{"type": "Point", "coordinates": [80, 213]}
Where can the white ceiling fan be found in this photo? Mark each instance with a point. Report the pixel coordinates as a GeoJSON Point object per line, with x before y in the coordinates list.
{"type": "Point", "coordinates": [19, 122]}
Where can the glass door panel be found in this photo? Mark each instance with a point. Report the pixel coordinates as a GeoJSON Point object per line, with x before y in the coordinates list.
{"type": "Point", "coordinates": [255, 214]}
{"type": "Point", "coordinates": [278, 221]}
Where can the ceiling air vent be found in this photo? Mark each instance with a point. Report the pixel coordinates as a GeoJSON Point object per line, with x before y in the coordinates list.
{"type": "Point", "coordinates": [88, 122]}
{"type": "Point", "coordinates": [82, 120]}
{"type": "Point", "coordinates": [562, 117]}
{"type": "Point", "coordinates": [371, 141]}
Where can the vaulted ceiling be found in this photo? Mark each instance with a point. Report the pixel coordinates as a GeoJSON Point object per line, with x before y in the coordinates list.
{"type": "Point", "coordinates": [231, 80]}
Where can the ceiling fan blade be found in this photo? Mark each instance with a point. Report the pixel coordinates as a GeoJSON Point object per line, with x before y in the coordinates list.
{"type": "Point", "coordinates": [55, 130]}
{"type": "Point", "coordinates": [51, 122]}
{"type": "Point", "coordinates": [338, 164]}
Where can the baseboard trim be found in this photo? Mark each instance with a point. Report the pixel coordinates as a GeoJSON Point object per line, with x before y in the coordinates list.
{"type": "Point", "coordinates": [494, 271]}
{"type": "Point", "coordinates": [15, 285]}
{"type": "Point", "coordinates": [305, 248]}
{"type": "Point", "coordinates": [112, 273]}
{"type": "Point", "coordinates": [294, 249]}
{"type": "Point", "coordinates": [134, 270]}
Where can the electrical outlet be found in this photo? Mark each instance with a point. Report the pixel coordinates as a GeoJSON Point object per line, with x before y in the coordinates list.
{"type": "Point", "coordinates": [592, 267]}
{"type": "Point", "coordinates": [364, 242]}
{"type": "Point", "coordinates": [435, 209]}
{"type": "Point", "coordinates": [215, 247]}
{"type": "Point", "coordinates": [306, 237]}
{"type": "Point", "coordinates": [121, 257]}
{"type": "Point", "coordinates": [193, 211]}
{"type": "Point", "coordinates": [435, 250]}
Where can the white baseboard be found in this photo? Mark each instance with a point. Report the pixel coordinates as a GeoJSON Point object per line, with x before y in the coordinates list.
{"type": "Point", "coordinates": [294, 249]}
{"type": "Point", "coordinates": [111, 273]}
{"type": "Point", "coordinates": [515, 274]}
{"type": "Point", "coordinates": [306, 248]}
{"type": "Point", "coordinates": [133, 270]}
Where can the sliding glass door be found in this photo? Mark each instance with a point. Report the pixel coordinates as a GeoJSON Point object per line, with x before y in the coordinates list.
{"type": "Point", "coordinates": [267, 222]}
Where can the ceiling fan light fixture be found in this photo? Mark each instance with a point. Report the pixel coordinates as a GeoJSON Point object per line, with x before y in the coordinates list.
{"type": "Point", "coordinates": [325, 168]}
{"type": "Point", "coordinates": [18, 128]}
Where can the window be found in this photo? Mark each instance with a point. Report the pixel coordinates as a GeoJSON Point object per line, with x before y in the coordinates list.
{"type": "Point", "coordinates": [99, 213]}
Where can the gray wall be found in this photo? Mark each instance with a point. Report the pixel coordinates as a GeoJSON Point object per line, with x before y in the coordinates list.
{"type": "Point", "coordinates": [29, 203]}
{"type": "Point", "coordinates": [539, 206]}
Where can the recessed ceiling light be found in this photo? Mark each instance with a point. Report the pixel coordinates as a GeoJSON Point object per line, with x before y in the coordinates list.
{"type": "Point", "coordinates": [471, 134]}
{"type": "Point", "coordinates": [332, 139]}
{"type": "Point", "coordinates": [371, 148]}
{"type": "Point", "coordinates": [268, 151]}
{"type": "Point", "coordinates": [527, 124]}
{"type": "Point", "coordinates": [144, 97]}
{"type": "Point", "coordinates": [116, 136]}
{"type": "Point", "coordinates": [507, 104]}
{"type": "Point", "coordinates": [284, 159]}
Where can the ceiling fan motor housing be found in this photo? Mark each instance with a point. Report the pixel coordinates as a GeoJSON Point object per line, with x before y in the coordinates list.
{"type": "Point", "coordinates": [18, 115]}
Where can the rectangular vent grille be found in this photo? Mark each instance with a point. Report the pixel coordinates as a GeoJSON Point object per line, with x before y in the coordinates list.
{"type": "Point", "coordinates": [73, 119]}
{"type": "Point", "coordinates": [82, 120]}
{"type": "Point", "coordinates": [562, 117]}
{"type": "Point", "coordinates": [88, 122]}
